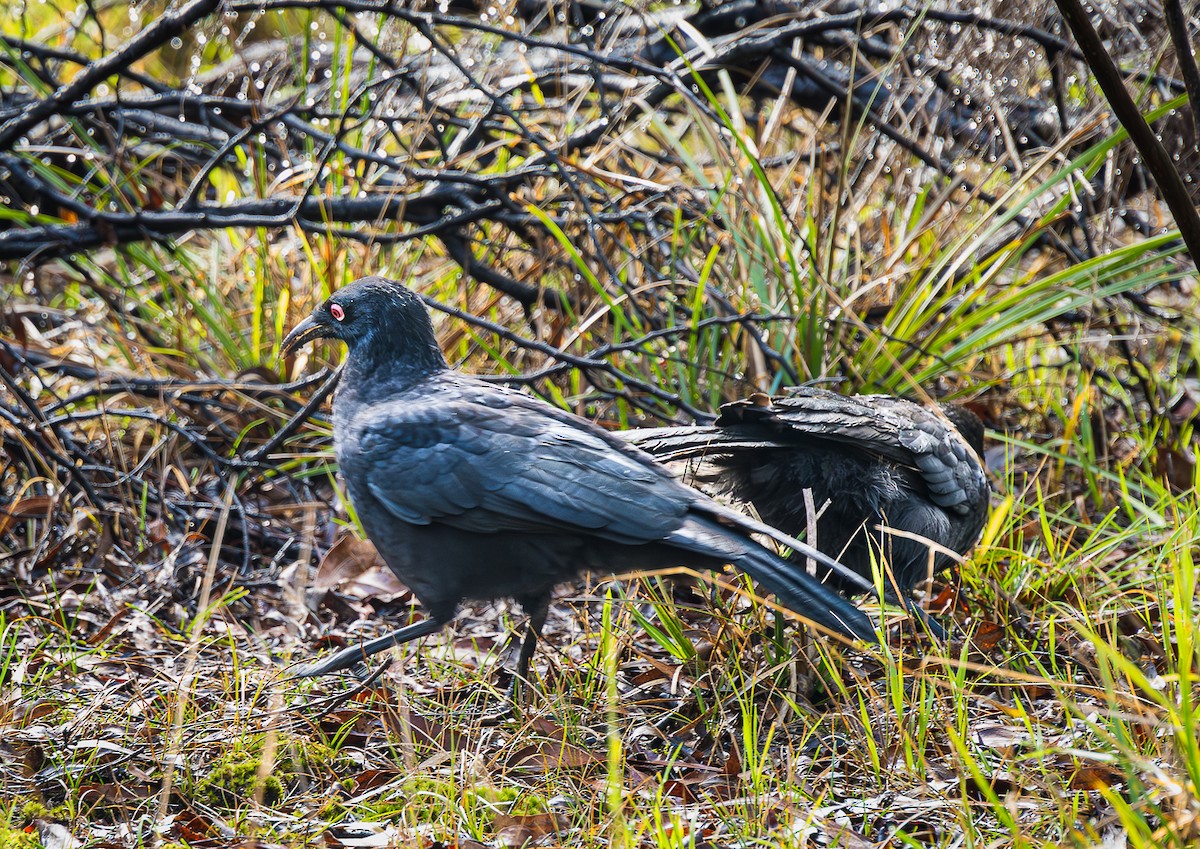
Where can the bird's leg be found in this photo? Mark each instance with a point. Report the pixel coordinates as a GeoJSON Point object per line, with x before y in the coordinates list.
{"type": "Point", "coordinates": [900, 592]}
{"type": "Point", "coordinates": [918, 613]}
{"type": "Point", "coordinates": [353, 654]}
{"type": "Point", "coordinates": [538, 608]}
{"type": "Point", "coordinates": [894, 594]}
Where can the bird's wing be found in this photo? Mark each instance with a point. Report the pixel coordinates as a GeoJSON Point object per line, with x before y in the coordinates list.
{"type": "Point", "coordinates": [860, 421]}
{"type": "Point", "coordinates": [902, 432]}
{"type": "Point", "coordinates": [672, 444]}
{"type": "Point", "coordinates": [811, 415]}
{"type": "Point", "coordinates": [485, 461]}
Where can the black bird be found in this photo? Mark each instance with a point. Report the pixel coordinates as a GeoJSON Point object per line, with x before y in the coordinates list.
{"type": "Point", "coordinates": [473, 491]}
{"type": "Point", "coordinates": [872, 460]}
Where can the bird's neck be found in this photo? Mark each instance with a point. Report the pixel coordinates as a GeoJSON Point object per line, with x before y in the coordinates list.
{"type": "Point", "coordinates": [376, 370]}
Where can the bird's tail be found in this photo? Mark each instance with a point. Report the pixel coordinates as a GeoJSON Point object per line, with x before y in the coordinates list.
{"type": "Point", "coordinates": [802, 593]}
{"type": "Point", "coordinates": [793, 587]}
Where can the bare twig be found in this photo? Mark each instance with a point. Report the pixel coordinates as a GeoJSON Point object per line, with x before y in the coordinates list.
{"type": "Point", "coordinates": [1185, 54]}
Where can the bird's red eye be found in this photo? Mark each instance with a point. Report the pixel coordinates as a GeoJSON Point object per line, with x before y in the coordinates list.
{"type": "Point", "coordinates": [337, 312]}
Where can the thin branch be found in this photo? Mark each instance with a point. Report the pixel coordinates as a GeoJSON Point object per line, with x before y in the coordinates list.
{"type": "Point", "coordinates": [1174, 190]}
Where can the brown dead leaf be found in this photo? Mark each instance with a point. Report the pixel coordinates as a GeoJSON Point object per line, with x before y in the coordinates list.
{"type": "Point", "coordinates": [678, 789]}
{"type": "Point", "coordinates": [1184, 408]}
{"type": "Point", "coordinates": [369, 779]}
{"type": "Point", "coordinates": [33, 507]}
{"type": "Point", "coordinates": [192, 827]}
{"type": "Point", "coordinates": [348, 558]}
{"type": "Point", "coordinates": [514, 836]}
{"type": "Point", "coordinates": [102, 634]}
{"type": "Point", "coordinates": [733, 765]}
{"type": "Point", "coordinates": [24, 759]}
{"type": "Point", "coordinates": [354, 567]}
{"type": "Point", "coordinates": [115, 795]}
{"type": "Point", "coordinates": [547, 755]}
{"type": "Point", "coordinates": [1176, 465]}
{"type": "Point", "coordinates": [946, 600]}
{"type": "Point", "coordinates": [355, 726]}
{"type": "Point", "coordinates": [987, 636]}
{"type": "Point", "coordinates": [29, 712]}
{"type": "Point", "coordinates": [1095, 776]}
{"type": "Point", "coordinates": [520, 830]}
{"type": "Point", "coordinates": [426, 732]}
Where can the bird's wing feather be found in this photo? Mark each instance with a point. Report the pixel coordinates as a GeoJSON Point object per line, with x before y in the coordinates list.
{"type": "Point", "coordinates": [453, 460]}
{"type": "Point", "coordinates": [902, 432]}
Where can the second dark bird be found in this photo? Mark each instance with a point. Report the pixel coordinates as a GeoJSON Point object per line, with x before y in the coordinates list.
{"type": "Point", "coordinates": [874, 462]}
{"type": "Point", "coordinates": [473, 491]}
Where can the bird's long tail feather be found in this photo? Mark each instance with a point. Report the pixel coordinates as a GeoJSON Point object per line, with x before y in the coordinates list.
{"type": "Point", "coordinates": [794, 588]}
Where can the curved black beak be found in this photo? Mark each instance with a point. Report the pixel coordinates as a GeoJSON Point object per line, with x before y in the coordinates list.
{"type": "Point", "coordinates": [305, 331]}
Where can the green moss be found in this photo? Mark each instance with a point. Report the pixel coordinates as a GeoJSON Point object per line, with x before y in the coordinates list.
{"type": "Point", "coordinates": [332, 811]}
{"type": "Point", "coordinates": [295, 757]}
{"type": "Point", "coordinates": [33, 810]}
{"type": "Point", "coordinates": [528, 805]}
{"type": "Point", "coordinates": [233, 780]}
{"type": "Point", "coordinates": [436, 800]}
{"type": "Point", "coordinates": [16, 838]}
{"type": "Point", "coordinates": [17, 814]}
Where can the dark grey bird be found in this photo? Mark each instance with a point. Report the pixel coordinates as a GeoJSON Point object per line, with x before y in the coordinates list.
{"type": "Point", "coordinates": [875, 462]}
{"type": "Point", "coordinates": [473, 491]}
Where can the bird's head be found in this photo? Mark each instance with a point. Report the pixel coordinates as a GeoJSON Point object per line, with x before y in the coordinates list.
{"type": "Point", "coordinates": [968, 424]}
{"type": "Point", "coordinates": [378, 319]}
